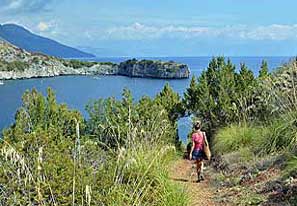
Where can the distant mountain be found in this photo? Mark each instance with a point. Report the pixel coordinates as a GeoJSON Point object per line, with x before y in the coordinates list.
{"type": "Point", "coordinates": [25, 39]}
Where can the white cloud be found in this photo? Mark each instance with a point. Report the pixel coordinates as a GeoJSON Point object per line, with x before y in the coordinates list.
{"type": "Point", "coordinates": [49, 29]}
{"type": "Point", "coordinates": [138, 31]}
{"type": "Point", "coordinates": [24, 6]}
{"type": "Point", "coordinates": [272, 32]}
{"type": "Point", "coordinates": [14, 4]}
{"type": "Point", "coordinates": [141, 31]}
{"type": "Point", "coordinates": [43, 26]}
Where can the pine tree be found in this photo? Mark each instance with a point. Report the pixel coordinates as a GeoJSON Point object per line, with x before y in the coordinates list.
{"type": "Point", "coordinates": [227, 94]}
{"type": "Point", "coordinates": [171, 101]}
{"type": "Point", "coordinates": [190, 96]}
{"type": "Point", "coordinates": [246, 84]}
{"type": "Point", "coordinates": [264, 70]}
{"type": "Point", "coordinates": [245, 80]}
{"type": "Point", "coordinates": [205, 102]}
{"type": "Point", "coordinates": [213, 76]}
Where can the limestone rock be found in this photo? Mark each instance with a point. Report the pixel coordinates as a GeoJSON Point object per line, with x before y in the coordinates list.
{"type": "Point", "coordinates": [16, 63]}
{"type": "Point", "coordinates": [154, 69]}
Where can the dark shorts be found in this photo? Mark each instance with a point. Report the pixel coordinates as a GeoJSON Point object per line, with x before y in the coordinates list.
{"type": "Point", "coordinates": [197, 154]}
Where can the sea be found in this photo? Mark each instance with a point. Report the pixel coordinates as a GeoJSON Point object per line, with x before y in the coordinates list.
{"type": "Point", "coordinates": [77, 91]}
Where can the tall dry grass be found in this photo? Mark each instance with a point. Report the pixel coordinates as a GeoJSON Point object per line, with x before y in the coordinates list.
{"type": "Point", "coordinates": [91, 173]}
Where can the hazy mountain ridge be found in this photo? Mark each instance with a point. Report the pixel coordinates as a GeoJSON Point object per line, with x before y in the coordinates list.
{"type": "Point", "coordinates": [25, 39]}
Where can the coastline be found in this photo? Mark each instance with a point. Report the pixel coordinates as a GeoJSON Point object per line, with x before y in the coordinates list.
{"type": "Point", "coordinates": [131, 68]}
{"type": "Point", "coordinates": [16, 63]}
{"type": "Point", "coordinates": [94, 75]}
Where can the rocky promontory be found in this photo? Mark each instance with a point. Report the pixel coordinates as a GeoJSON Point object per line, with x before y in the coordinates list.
{"type": "Point", "coordinates": [154, 69]}
{"type": "Point", "coordinates": [16, 63]}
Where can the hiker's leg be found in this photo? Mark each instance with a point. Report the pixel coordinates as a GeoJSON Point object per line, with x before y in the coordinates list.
{"type": "Point", "coordinates": [201, 171]}
{"type": "Point", "coordinates": [198, 164]}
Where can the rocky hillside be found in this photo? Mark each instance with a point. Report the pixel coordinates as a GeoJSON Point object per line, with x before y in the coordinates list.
{"type": "Point", "coordinates": [16, 63]}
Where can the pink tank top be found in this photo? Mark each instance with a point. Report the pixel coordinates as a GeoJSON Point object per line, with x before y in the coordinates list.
{"type": "Point", "coordinates": [198, 140]}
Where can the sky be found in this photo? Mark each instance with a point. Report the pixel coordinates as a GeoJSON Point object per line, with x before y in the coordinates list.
{"type": "Point", "coordinates": [162, 27]}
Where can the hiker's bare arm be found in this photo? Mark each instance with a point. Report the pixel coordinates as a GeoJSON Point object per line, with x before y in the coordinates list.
{"type": "Point", "coordinates": [192, 149]}
{"type": "Point", "coordinates": [205, 138]}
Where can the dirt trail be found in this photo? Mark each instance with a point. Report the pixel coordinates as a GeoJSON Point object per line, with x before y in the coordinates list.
{"type": "Point", "coordinates": [200, 193]}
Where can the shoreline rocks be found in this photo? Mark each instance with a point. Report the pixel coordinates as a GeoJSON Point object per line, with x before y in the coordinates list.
{"type": "Point", "coordinates": [16, 63]}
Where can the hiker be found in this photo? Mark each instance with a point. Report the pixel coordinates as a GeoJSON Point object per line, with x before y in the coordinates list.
{"type": "Point", "coordinates": [197, 151]}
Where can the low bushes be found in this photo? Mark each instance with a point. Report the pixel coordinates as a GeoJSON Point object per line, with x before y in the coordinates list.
{"type": "Point", "coordinates": [278, 135]}
{"type": "Point", "coordinates": [141, 178]}
{"type": "Point", "coordinates": [282, 134]}
{"type": "Point", "coordinates": [17, 66]}
{"type": "Point", "coordinates": [291, 167]}
{"type": "Point", "coordinates": [236, 137]}
{"type": "Point", "coordinates": [51, 157]}
{"type": "Point", "coordinates": [76, 64]}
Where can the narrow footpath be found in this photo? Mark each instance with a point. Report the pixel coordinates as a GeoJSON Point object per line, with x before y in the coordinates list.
{"type": "Point", "coordinates": [184, 173]}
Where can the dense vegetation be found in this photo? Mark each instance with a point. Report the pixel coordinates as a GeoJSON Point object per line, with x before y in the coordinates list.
{"type": "Point", "coordinates": [18, 66]}
{"type": "Point", "coordinates": [120, 154]}
{"type": "Point", "coordinates": [221, 95]}
{"type": "Point", "coordinates": [250, 119]}
{"type": "Point", "coordinates": [52, 156]}
{"type": "Point", "coordinates": [231, 102]}
{"type": "Point", "coordinates": [76, 64]}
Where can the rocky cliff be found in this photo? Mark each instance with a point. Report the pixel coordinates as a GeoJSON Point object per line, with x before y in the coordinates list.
{"type": "Point", "coordinates": [16, 63]}
{"type": "Point", "coordinates": [154, 69]}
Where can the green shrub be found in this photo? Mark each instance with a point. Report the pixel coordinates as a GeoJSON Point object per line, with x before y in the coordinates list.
{"type": "Point", "coordinates": [282, 134]}
{"type": "Point", "coordinates": [48, 157]}
{"type": "Point", "coordinates": [35, 60]}
{"type": "Point", "coordinates": [235, 137]}
{"type": "Point", "coordinates": [17, 66]}
{"type": "Point", "coordinates": [141, 178]}
{"type": "Point", "coordinates": [76, 64]}
{"type": "Point", "coordinates": [107, 63]}
{"type": "Point", "coordinates": [291, 167]}
{"type": "Point", "coordinates": [278, 135]}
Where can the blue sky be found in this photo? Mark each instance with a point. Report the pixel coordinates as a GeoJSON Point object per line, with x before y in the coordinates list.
{"type": "Point", "coordinates": [162, 27]}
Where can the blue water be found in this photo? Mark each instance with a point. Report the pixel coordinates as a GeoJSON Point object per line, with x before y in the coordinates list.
{"type": "Point", "coordinates": [76, 91]}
